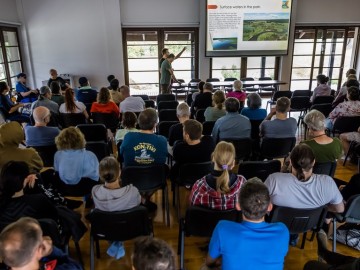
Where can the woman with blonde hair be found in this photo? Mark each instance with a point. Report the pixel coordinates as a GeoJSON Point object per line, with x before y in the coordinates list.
{"type": "Point", "coordinates": [71, 105]}
{"type": "Point", "coordinates": [218, 109]}
{"type": "Point", "coordinates": [220, 189]}
{"type": "Point", "coordinates": [104, 103]}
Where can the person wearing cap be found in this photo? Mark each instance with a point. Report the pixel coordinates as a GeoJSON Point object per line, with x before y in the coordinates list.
{"type": "Point", "coordinates": [54, 78]}
{"type": "Point", "coordinates": [85, 93]}
{"type": "Point", "coordinates": [45, 100]}
{"type": "Point", "coordinates": [25, 94]}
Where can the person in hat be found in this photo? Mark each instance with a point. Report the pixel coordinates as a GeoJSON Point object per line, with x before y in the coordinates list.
{"type": "Point", "coordinates": [45, 101]}
{"type": "Point", "coordinates": [25, 94]}
{"type": "Point", "coordinates": [85, 94]}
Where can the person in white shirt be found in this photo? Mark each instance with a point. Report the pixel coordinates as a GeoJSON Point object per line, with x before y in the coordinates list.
{"type": "Point", "coordinates": [130, 104]}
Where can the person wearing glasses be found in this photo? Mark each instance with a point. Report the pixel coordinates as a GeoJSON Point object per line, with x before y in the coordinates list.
{"type": "Point", "coordinates": [25, 94]}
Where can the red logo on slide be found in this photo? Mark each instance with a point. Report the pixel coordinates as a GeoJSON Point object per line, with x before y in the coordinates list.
{"type": "Point", "coordinates": [212, 6]}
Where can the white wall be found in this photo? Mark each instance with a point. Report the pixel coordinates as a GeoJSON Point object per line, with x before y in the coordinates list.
{"type": "Point", "coordinates": [8, 12]}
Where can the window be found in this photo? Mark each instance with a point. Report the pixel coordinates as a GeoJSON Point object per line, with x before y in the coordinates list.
{"type": "Point", "coordinates": [322, 50]}
{"type": "Point", "coordinates": [10, 56]}
{"type": "Point", "coordinates": [143, 52]}
{"type": "Point", "coordinates": [237, 67]}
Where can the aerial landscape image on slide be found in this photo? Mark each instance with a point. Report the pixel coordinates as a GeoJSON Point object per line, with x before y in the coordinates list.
{"type": "Point", "coordinates": [265, 26]}
{"type": "Point", "coordinates": [229, 43]}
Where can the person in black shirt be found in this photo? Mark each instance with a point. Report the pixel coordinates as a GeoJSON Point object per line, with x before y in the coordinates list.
{"type": "Point", "coordinates": [194, 149]}
{"type": "Point", "coordinates": [204, 99]}
{"type": "Point", "coordinates": [54, 78]}
{"type": "Point", "coordinates": [176, 131]}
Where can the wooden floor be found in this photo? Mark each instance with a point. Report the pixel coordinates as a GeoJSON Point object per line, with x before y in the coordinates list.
{"type": "Point", "coordinates": [194, 254]}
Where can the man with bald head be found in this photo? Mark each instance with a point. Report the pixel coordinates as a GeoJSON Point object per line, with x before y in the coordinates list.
{"type": "Point", "coordinates": [40, 134]}
{"type": "Point", "coordinates": [130, 103]}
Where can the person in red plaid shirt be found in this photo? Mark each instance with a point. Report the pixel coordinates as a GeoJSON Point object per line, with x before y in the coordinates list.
{"type": "Point", "coordinates": [220, 189]}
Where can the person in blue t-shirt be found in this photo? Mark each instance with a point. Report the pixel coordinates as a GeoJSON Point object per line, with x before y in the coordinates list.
{"type": "Point", "coordinates": [253, 111]}
{"type": "Point", "coordinates": [253, 243]}
{"type": "Point", "coordinates": [144, 147]}
{"type": "Point", "coordinates": [25, 94]}
{"type": "Point", "coordinates": [85, 93]}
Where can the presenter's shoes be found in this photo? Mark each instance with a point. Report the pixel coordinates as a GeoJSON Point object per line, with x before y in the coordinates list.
{"type": "Point", "coordinates": [322, 238]}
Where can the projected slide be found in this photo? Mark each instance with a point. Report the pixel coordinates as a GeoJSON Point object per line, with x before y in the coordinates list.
{"type": "Point", "coordinates": [247, 27]}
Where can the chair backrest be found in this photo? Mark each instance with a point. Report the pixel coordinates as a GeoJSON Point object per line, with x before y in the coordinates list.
{"type": "Point", "coordinates": [300, 103]}
{"type": "Point", "coordinates": [230, 79]}
{"type": "Point", "coordinates": [298, 220]}
{"type": "Point", "coordinates": [72, 119]}
{"type": "Point", "coordinates": [165, 126]}
{"type": "Point", "coordinates": [145, 178]}
{"type": "Point", "coordinates": [200, 221]}
{"type": "Point", "coordinates": [46, 153]}
{"type": "Point", "coordinates": [144, 97]}
{"type": "Point", "coordinates": [247, 79]}
{"type": "Point", "coordinates": [168, 115]}
{"type": "Point", "coordinates": [110, 120]}
{"type": "Point", "coordinates": [279, 94]}
{"type": "Point", "coordinates": [255, 129]}
{"type": "Point", "coordinates": [276, 147]}
{"type": "Point", "coordinates": [191, 172]}
{"type": "Point", "coordinates": [327, 168]}
{"type": "Point", "coordinates": [325, 108]}
{"type": "Point", "coordinates": [346, 124]}
{"type": "Point", "coordinates": [94, 132]}
{"type": "Point", "coordinates": [301, 93]}
{"type": "Point", "coordinates": [260, 169]}
{"type": "Point", "coordinates": [149, 104]}
{"type": "Point", "coordinates": [323, 99]}
{"type": "Point", "coordinates": [243, 147]}
{"type": "Point", "coordinates": [193, 84]}
{"type": "Point", "coordinates": [352, 208]}
{"type": "Point", "coordinates": [165, 97]}
{"type": "Point", "coordinates": [208, 127]}
{"type": "Point", "coordinates": [170, 104]}
{"type": "Point", "coordinates": [189, 99]}
{"type": "Point", "coordinates": [200, 115]}
{"type": "Point", "coordinates": [120, 225]}
{"type": "Point", "coordinates": [212, 80]}
{"type": "Point", "coordinates": [100, 149]}
{"type": "Point", "coordinates": [50, 228]}
{"type": "Point", "coordinates": [265, 79]}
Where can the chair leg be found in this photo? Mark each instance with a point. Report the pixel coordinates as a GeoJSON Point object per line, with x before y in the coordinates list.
{"type": "Point", "coordinates": [312, 236]}
{"type": "Point", "coordinates": [351, 146]}
{"type": "Point", "coordinates": [166, 196]}
{"type": "Point", "coordinates": [334, 235]}
{"type": "Point", "coordinates": [97, 248]}
{"type": "Point", "coordinates": [178, 206]}
{"type": "Point", "coordinates": [303, 240]}
{"type": "Point", "coordinates": [78, 251]}
{"type": "Point", "coordinates": [182, 250]}
{"type": "Point", "coordinates": [92, 255]}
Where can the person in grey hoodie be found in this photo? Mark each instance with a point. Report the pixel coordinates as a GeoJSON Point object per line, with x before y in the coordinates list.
{"type": "Point", "coordinates": [110, 196]}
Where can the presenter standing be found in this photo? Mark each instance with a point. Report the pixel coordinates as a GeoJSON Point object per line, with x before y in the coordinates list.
{"type": "Point", "coordinates": [167, 74]}
{"type": "Point", "coordinates": [165, 53]}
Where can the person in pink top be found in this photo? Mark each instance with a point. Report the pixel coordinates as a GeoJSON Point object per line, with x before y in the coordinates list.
{"type": "Point", "coordinates": [238, 93]}
{"type": "Point", "coordinates": [322, 89]}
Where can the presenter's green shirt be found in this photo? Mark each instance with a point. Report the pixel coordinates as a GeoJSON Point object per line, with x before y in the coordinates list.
{"type": "Point", "coordinates": [165, 73]}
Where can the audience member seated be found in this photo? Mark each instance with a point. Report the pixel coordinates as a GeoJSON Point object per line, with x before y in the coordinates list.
{"type": "Point", "coordinates": [325, 148]}
{"type": "Point", "coordinates": [176, 131]}
{"type": "Point", "coordinates": [128, 123]}
{"type": "Point", "coordinates": [301, 188]}
{"type": "Point", "coordinates": [214, 113]}
{"type": "Point", "coordinates": [130, 103]}
{"type": "Point", "coordinates": [54, 78]}
{"type": "Point", "coordinates": [75, 165]}
{"type": "Point", "coordinates": [25, 94]}
{"type": "Point", "coordinates": [23, 246]}
{"type": "Point", "coordinates": [71, 105]}
{"type": "Point", "coordinates": [85, 93]}
{"type": "Point", "coordinates": [351, 188]}
{"type": "Point", "coordinates": [11, 136]}
{"type": "Point", "coordinates": [110, 196]}
{"type": "Point", "coordinates": [322, 89]}
{"type": "Point", "coordinates": [14, 204]}
{"type": "Point", "coordinates": [45, 100]}
{"type": "Point", "coordinates": [152, 253]}
{"type": "Point", "coordinates": [109, 79]}
{"type": "Point", "coordinates": [40, 134]}
{"type": "Point", "coordinates": [238, 93]}
{"type": "Point", "coordinates": [341, 96]}
{"type": "Point", "coordinates": [220, 189]}
{"type": "Point", "coordinates": [347, 108]}
{"type": "Point", "coordinates": [277, 124]}
{"type": "Point", "coordinates": [56, 93]}
{"type": "Point", "coordinates": [331, 260]}
{"type": "Point", "coordinates": [232, 125]}
{"type": "Point", "coordinates": [204, 99]}
{"type": "Point", "coordinates": [115, 91]}
{"type": "Point", "coordinates": [195, 148]}
{"type": "Point", "coordinates": [200, 90]}
{"type": "Point", "coordinates": [104, 103]}
{"type": "Point", "coordinates": [144, 147]}
{"type": "Point", "coordinates": [8, 108]}
{"type": "Point", "coordinates": [253, 111]}
{"type": "Point", "coordinates": [348, 137]}
{"type": "Point", "coordinates": [253, 243]}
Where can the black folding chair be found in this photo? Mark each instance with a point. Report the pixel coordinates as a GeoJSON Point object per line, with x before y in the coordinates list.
{"type": "Point", "coordinates": [94, 132]}
{"type": "Point", "coordinates": [110, 120]}
{"type": "Point", "coordinates": [117, 226]}
{"type": "Point", "coordinates": [164, 127]}
{"type": "Point", "coordinates": [299, 104]}
{"type": "Point", "coordinates": [171, 104]}
{"type": "Point", "coordinates": [149, 104]}
{"type": "Point", "coordinates": [46, 153]}
{"type": "Point", "coordinates": [72, 119]}
{"type": "Point", "coordinates": [193, 85]}
{"type": "Point", "coordinates": [211, 80]}
{"type": "Point", "coordinates": [144, 97]}
{"type": "Point", "coordinates": [165, 97]}
{"type": "Point", "coordinates": [243, 147]}
{"type": "Point", "coordinates": [168, 115]}
{"type": "Point", "coordinates": [350, 215]}
{"type": "Point", "coordinates": [323, 99]}
{"type": "Point", "coordinates": [266, 87]}
{"type": "Point", "coordinates": [271, 148]}
{"type": "Point", "coordinates": [249, 88]}
{"type": "Point", "coordinates": [324, 108]}
{"type": "Point", "coordinates": [260, 169]}
{"type": "Point", "coordinates": [179, 89]}
{"type": "Point", "coordinates": [346, 124]}
{"type": "Point", "coordinates": [301, 93]}
{"type": "Point", "coordinates": [299, 220]}
{"type": "Point", "coordinates": [100, 149]}
{"type": "Point", "coordinates": [149, 179]}
{"type": "Point", "coordinates": [277, 95]}
{"type": "Point", "coordinates": [201, 222]}
{"type": "Point", "coordinates": [199, 115]}
{"type": "Point", "coordinates": [208, 127]}
{"type": "Point", "coordinates": [327, 168]}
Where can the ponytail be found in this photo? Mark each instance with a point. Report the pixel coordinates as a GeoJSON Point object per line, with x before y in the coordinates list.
{"type": "Point", "coordinates": [222, 182]}
{"type": "Point", "coordinates": [302, 159]}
